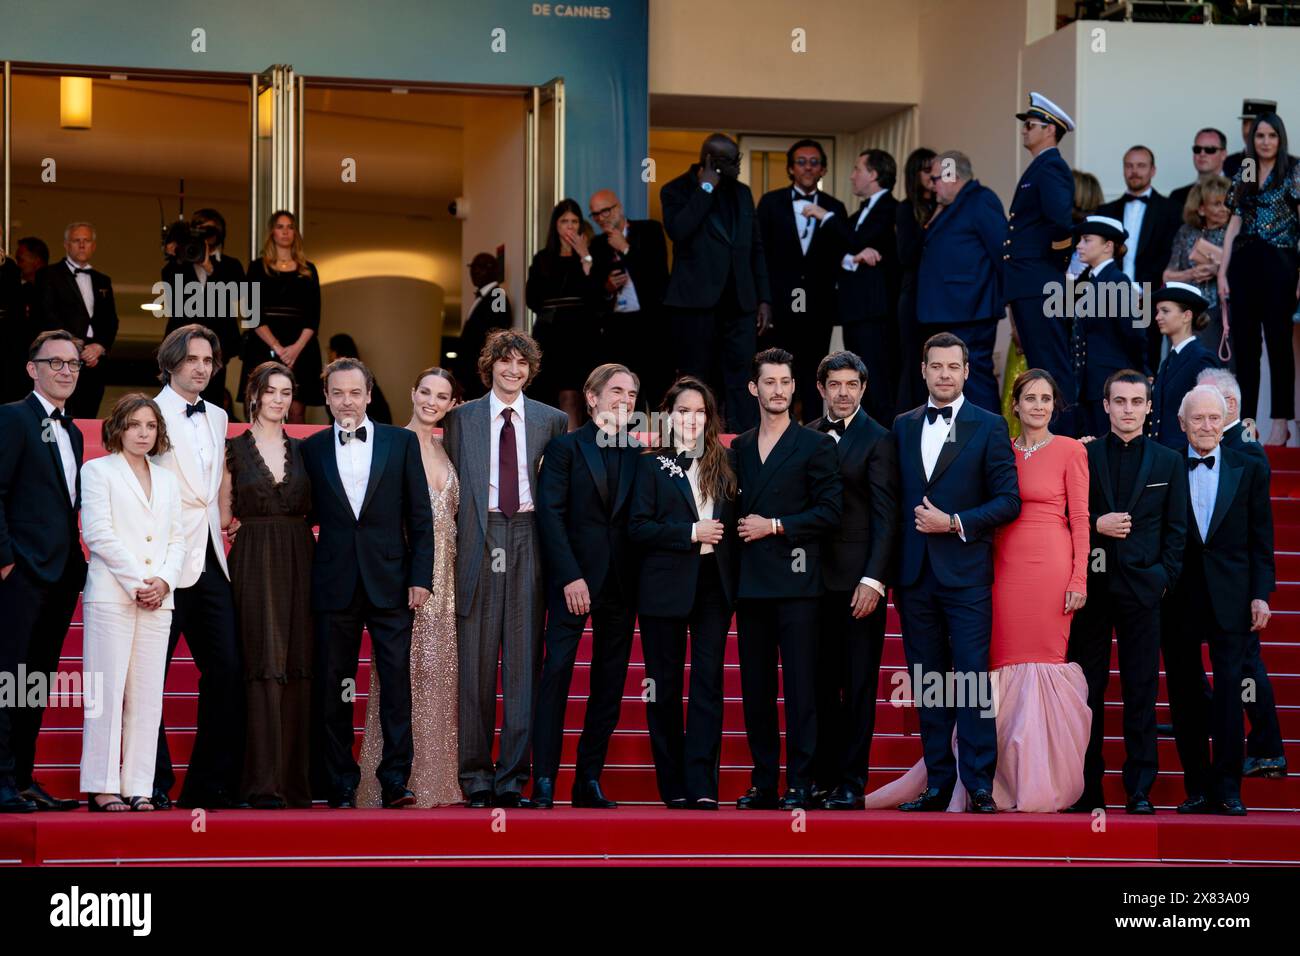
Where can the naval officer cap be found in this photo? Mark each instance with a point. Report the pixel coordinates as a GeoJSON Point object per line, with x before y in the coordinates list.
{"type": "Point", "coordinates": [1180, 293]}
{"type": "Point", "coordinates": [1103, 226]}
{"type": "Point", "coordinates": [1252, 108]}
{"type": "Point", "coordinates": [1041, 108]}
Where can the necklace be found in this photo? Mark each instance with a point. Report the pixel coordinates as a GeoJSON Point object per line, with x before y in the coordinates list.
{"type": "Point", "coordinates": [1019, 443]}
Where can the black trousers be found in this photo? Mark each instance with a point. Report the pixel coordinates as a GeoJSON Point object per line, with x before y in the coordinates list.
{"type": "Point", "coordinates": [85, 401]}
{"type": "Point", "coordinates": [687, 755]}
{"type": "Point", "coordinates": [718, 344]}
{"type": "Point", "coordinates": [872, 342]}
{"type": "Point", "coordinates": [611, 624]}
{"type": "Point", "coordinates": [784, 628]}
{"type": "Point", "coordinates": [338, 652]}
{"type": "Point", "coordinates": [35, 618]}
{"type": "Point", "coordinates": [1137, 629]}
{"type": "Point", "coordinates": [205, 614]}
{"type": "Point", "coordinates": [848, 675]}
{"type": "Point", "coordinates": [1262, 279]}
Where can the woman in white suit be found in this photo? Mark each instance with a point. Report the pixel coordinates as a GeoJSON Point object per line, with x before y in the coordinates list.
{"type": "Point", "coordinates": [131, 523]}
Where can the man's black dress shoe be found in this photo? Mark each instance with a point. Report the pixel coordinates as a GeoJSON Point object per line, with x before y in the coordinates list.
{"type": "Point", "coordinates": [797, 798]}
{"type": "Point", "coordinates": [1271, 767]}
{"type": "Point", "coordinates": [509, 800]}
{"type": "Point", "coordinates": [981, 801]}
{"type": "Point", "coordinates": [1196, 805]}
{"type": "Point", "coordinates": [344, 800]}
{"type": "Point", "coordinates": [479, 799]}
{"type": "Point", "coordinates": [703, 803]}
{"type": "Point", "coordinates": [46, 801]}
{"type": "Point", "coordinates": [543, 797]}
{"type": "Point", "coordinates": [930, 800]}
{"type": "Point", "coordinates": [397, 798]}
{"type": "Point", "coordinates": [819, 795]}
{"type": "Point", "coordinates": [758, 799]}
{"type": "Point", "coordinates": [160, 799]}
{"type": "Point", "coordinates": [587, 794]}
{"type": "Point", "coordinates": [1085, 804]}
{"type": "Point", "coordinates": [843, 797]}
{"type": "Point", "coordinates": [1231, 807]}
{"type": "Point", "coordinates": [676, 803]}
{"type": "Point", "coordinates": [11, 801]}
{"type": "Point", "coordinates": [1139, 804]}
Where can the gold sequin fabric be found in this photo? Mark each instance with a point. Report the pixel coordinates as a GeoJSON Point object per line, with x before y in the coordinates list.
{"type": "Point", "coordinates": [435, 690]}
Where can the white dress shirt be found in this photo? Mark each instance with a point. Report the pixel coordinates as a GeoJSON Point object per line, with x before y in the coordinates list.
{"type": "Point", "coordinates": [200, 430]}
{"type": "Point", "coordinates": [1203, 486]}
{"type": "Point", "coordinates": [87, 292]}
{"type": "Point", "coordinates": [703, 503]}
{"type": "Point", "coordinates": [66, 454]}
{"type": "Point", "coordinates": [627, 297]}
{"type": "Point", "coordinates": [353, 460]}
{"type": "Point", "coordinates": [933, 435]}
{"type": "Point", "coordinates": [521, 451]}
{"type": "Point", "coordinates": [1133, 215]}
{"type": "Point", "coordinates": [847, 262]}
{"type": "Point", "coordinates": [805, 226]}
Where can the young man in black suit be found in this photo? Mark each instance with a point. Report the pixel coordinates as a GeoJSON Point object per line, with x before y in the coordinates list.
{"type": "Point", "coordinates": [803, 256]}
{"type": "Point", "coordinates": [856, 562]}
{"type": "Point", "coordinates": [583, 497]}
{"type": "Point", "coordinates": [790, 496]}
{"type": "Point", "coordinates": [373, 565]}
{"type": "Point", "coordinates": [491, 311]}
{"type": "Point", "coordinates": [1221, 596]}
{"type": "Point", "coordinates": [1137, 503]}
{"type": "Point", "coordinates": [630, 260]}
{"type": "Point", "coordinates": [957, 485]}
{"type": "Point", "coordinates": [718, 290]}
{"type": "Point", "coordinates": [74, 296]}
{"type": "Point", "coordinates": [42, 568]}
{"type": "Point", "coordinates": [867, 295]}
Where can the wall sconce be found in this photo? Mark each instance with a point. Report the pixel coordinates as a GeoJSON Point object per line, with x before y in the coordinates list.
{"type": "Point", "coordinates": [75, 102]}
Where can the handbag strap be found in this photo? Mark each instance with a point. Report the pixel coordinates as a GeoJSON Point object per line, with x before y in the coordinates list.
{"type": "Point", "coordinates": [1225, 348]}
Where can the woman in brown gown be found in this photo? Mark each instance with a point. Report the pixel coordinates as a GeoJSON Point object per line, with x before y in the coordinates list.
{"type": "Point", "coordinates": [266, 495]}
{"type": "Point", "coordinates": [435, 689]}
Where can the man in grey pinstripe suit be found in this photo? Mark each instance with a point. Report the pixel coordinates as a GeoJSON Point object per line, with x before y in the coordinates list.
{"type": "Point", "coordinates": [495, 443]}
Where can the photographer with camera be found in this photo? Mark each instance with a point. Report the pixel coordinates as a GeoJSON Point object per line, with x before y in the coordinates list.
{"type": "Point", "coordinates": [195, 252]}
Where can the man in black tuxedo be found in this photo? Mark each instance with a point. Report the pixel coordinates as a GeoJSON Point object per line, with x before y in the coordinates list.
{"type": "Point", "coordinates": [583, 497]}
{"type": "Point", "coordinates": [855, 566]}
{"type": "Point", "coordinates": [1153, 219]}
{"type": "Point", "coordinates": [631, 262]}
{"type": "Point", "coordinates": [373, 565]}
{"type": "Point", "coordinates": [491, 311]}
{"type": "Point", "coordinates": [216, 266]}
{"type": "Point", "coordinates": [1137, 503]}
{"type": "Point", "coordinates": [718, 290]}
{"type": "Point", "coordinates": [74, 296]}
{"type": "Point", "coordinates": [790, 497]}
{"type": "Point", "coordinates": [42, 568]}
{"type": "Point", "coordinates": [957, 485]}
{"type": "Point", "coordinates": [803, 256]}
{"type": "Point", "coordinates": [867, 295]}
{"type": "Point", "coordinates": [1221, 597]}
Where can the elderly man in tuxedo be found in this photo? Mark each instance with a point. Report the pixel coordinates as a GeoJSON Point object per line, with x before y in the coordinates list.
{"type": "Point", "coordinates": [42, 568]}
{"type": "Point", "coordinates": [1221, 596]}
{"type": "Point", "coordinates": [204, 603]}
{"type": "Point", "coordinates": [73, 295]}
{"type": "Point", "coordinates": [495, 444]}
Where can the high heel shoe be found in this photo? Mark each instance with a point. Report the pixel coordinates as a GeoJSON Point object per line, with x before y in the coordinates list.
{"type": "Point", "coordinates": [96, 807]}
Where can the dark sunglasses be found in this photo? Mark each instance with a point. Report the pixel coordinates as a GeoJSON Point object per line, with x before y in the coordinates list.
{"type": "Point", "coordinates": [1206, 149]}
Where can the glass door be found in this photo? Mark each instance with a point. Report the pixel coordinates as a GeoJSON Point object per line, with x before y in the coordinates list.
{"type": "Point", "coordinates": [276, 153]}
{"type": "Point", "coordinates": [545, 156]}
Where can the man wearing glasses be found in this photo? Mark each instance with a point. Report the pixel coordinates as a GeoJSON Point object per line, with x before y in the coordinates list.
{"type": "Point", "coordinates": [1037, 245]}
{"type": "Point", "coordinates": [631, 264]}
{"type": "Point", "coordinates": [42, 568]}
{"type": "Point", "coordinates": [1209, 150]}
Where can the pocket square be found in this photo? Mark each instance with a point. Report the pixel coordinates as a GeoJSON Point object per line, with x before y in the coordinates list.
{"type": "Point", "coordinates": [1158, 484]}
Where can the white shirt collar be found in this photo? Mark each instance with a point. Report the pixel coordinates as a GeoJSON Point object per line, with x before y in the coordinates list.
{"type": "Point", "coordinates": [485, 289]}
{"type": "Point", "coordinates": [852, 415]}
{"type": "Point", "coordinates": [169, 394]}
{"type": "Point", "coordinates": [1193, 453]}
{"type": "Point", "coordinates": [955, 406]}
{"type": "Point", "coordinates": [1145, 192]}
{"type": "Point", "coordinates": [495, 404]}
{"type": "Point", "coordinates": [1181, 345]}
{"type": "Point", "coordinates": [797, 194]}
{"type": "Point", "coordinates": [1235, 421]}
{"type": "Point", "coordinates": [1104, 264]}
{"type": "Point", "coordinates": [73, 267]}
{"type": "Point", "coordinates": [364, 423]}
{"type": "Point", "coordinates": [45, 402]}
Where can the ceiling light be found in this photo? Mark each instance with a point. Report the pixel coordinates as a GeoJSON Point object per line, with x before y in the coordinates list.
{"type": "Point", "coordinates": [74, 102]}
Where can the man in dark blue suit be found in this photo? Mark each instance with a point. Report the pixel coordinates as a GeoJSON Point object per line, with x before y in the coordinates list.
{"type": "Point", "coordinates": [1037, 245]}
{"type": "Point", "coordinates": [959, 283]}
{"type": "Point", "coordinates": [372, 569]}
{"type": "Point", "coordinates": [958, 485]}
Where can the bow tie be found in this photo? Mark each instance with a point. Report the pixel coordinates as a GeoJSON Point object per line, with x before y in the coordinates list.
{"type": "Point", "coordinates": [62, 417]}
{"type": "Point", "coordinates": [1142, 199]}
{"type": "Point", "coordinates": [796, 196]}
{"type": "Point", "coordinates": [345, 437]}
{"type": "Point", "coordinates": [684, 459]}
{"type": "Point", "coordinates": [1207, 462]}
{"type": "Point", "coordinates": [198, 408]}
{"type": "Point", "coordinates": [931, 413]}
{"type": "Point", "coordinates": [80, 272]}
{"type": "Point", "coordinates": [834, 425]}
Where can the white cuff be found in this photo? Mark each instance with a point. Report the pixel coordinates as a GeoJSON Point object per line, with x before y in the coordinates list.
{"type": "Point", "coordinates": [847, 263]}
{"type": "Point", "coordinates": [694, 538]}
{"type": "Point", "coordinates": [874, 584]}
{"type": "Point", "coordinates": [961, 532]}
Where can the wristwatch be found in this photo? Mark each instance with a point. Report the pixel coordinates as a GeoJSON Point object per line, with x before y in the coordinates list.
{"type": "Point", "coordinates": [587, 257]}
{"type": "Point", "coordinates": [952, 523]}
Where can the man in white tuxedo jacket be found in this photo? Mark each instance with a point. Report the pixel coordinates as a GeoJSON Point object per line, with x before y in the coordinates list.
{"type": "Point", "coordinates": [204, 610]}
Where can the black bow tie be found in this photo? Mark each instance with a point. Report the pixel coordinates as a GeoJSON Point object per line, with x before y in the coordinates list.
{"type": "Point", "coordinates": [198, 408]}
{"type": "Point", "coordinates": [62, 417]}
{"type": "Point", "coordinates": [345, 437]}
{"type": "Point", "coordinates": [931, 413]}
{"type": "Point", "coordinates": [1207, 462]}
{"type": "Point", "coordinates": [796, 196]}
{"type": "Point", "coordinates": [684, 459]}
{"type": "Point", "coordinates": [834, 425]}
{"type": "Point", "coordinates": [1142, 199]}
{"type": "Point", "coordinates": [80, 272]}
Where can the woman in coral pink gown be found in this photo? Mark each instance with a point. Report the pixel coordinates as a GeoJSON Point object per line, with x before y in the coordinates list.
{"type": "Point", "coordinates": [1040, 580]}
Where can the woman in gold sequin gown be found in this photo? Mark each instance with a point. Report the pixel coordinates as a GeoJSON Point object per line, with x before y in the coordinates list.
{"type": "Point", "coordinates": [434, 680]}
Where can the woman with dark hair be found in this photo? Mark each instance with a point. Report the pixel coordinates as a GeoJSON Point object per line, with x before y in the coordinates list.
{"type": "Point", "coordinates": [683, 518]}
{"type": "Point", "coordinates": [266, 495]}
{"type": "Point", "coordinates": [567, 302]}
{"type": "Point", "coordinates": [912, 215]}
{"type": "Point", "coordinates": [1259, 279]}
{"type": "Point", "coordinates": [1040, 578]}
{"type": "Point", "coordinates": [131, 524]}
{"type": "Point", "coordinates": [435, 680]}
{"type": "Point", "coordinates": [343, 345]}
{"type": "Point", "coordinates": [290, 319]}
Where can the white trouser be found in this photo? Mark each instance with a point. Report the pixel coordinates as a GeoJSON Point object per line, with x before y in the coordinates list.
{"type": "Point", "coordinates": [125, 649]}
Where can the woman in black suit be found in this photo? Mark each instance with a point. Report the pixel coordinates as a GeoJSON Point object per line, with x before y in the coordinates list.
{"type": "Point", "coordinates": [683, 518]}
{"type": "Point", "coordinates": [1180, 311]}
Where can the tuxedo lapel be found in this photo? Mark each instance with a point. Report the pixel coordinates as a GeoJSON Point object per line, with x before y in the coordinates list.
{"type": "Point", "coordinates": [963, 427]}
{"type": "Point", "coordinates": [626, 472]}
{"type": "Point", "coordinates": [782, 450]}
{"type": "Point", "coordinates": [383, 440]}
{"type": "Point", "coordinates": [595, 461]}
{"type": "Point", "coordinates": [330, 463]}
{"type": "Point", "coordinates": [912, 433]}
{"type": "Point", "coordinates": [133, 482]}
{"type": "Point", "coordinates": [682, 484]}
{"type": "Point", "coordinates": [535, 439]}
{"type": "Point", "coordinates": [1229, 479]}
{"type": "Point", "coordinates": [73, 290]}
{"type": "Point", "coordinates": [478, 452]}
{"type": "Point", "coordinates": [44, 422]}
{"type": "Point", "coordinates": [187, 456]}
{"type": "Point", "coordinates": [1101, 471]}
{"type": "Point", "coordinates": [1143, 474]}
